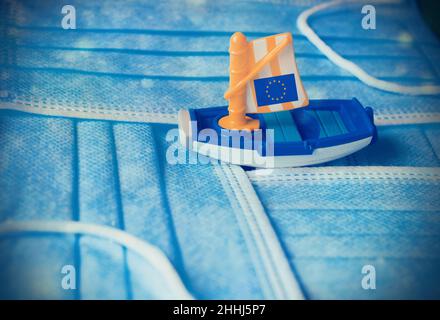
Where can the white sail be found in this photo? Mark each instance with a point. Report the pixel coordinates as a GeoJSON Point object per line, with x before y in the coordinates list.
{"type": "Point", "coordinates": [278, 85]}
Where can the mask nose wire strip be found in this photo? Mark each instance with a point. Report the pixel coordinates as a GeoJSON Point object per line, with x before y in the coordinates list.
{"type": "Point", "coordinates": [350, 66]}
{"type": "Point", "coordinates": [147, 251]}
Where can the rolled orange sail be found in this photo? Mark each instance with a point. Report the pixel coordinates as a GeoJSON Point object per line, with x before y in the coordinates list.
{"type": "Point", "coordinates": [238, 70]}
{"type": "Point", "coordinates": [264, 77]}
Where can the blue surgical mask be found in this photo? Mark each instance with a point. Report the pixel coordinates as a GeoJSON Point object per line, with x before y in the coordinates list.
{"type": "Point", "coordinates": [50, 70]}
{"type": "Point", "coordinates": [225, 233]}
{"type": "Point", "coordinates": [333, 221]}
{"type": "Point", "coordinates": [115, 174]}
{"type": "Point", "coordinates": [416, 145]}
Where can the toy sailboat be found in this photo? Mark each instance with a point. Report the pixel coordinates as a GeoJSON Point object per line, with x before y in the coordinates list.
{"type": "Point", "coordinates": [270, 121]}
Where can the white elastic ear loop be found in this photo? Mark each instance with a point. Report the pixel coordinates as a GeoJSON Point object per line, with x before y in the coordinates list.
{"type": "Point", "coordinates": [348, 65]}
{"type": "Point", "coordinates": [149, 252]}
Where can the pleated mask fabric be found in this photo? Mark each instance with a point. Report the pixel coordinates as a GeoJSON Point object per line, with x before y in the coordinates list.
{"type": "Point", "coordinates": [86, 117]}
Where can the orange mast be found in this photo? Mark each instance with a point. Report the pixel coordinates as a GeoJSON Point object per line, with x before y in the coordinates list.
{"type": "Point", "coordinates": [238, 70]}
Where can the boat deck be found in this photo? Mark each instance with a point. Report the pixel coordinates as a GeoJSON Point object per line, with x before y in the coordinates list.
{"type": "Point", "coordinates": [286, 128]}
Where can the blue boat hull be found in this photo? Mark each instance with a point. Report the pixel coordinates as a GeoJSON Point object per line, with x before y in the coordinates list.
{"type": "Point", "coordinates": [323, 131]}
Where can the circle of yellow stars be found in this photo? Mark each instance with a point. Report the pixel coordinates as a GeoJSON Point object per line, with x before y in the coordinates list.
{"type": "Point", "coordinates": [275, 82]}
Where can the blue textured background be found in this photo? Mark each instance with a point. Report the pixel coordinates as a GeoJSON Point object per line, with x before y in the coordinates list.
{"type": "Point", "coordinates": [156, 57]}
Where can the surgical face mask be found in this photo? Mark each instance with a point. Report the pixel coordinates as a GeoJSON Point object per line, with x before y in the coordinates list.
{"type": "Point", "coordinates": [336, 221]}
{"type": "Point", "coordinates": [52, 71]}
{"type": "Point", "coordinates": [213, 235]}
{"type": "Point", "coordinates": [116, 175]}
{"type": "Point", "coordinates": [348, 65]}
{"type": "Point", "coordinates": [399, 145]}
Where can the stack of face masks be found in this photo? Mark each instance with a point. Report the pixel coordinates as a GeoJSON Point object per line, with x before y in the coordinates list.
{"type": "Point", "coordinates": [83, 137]}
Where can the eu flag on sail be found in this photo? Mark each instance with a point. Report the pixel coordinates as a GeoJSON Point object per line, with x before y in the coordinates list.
{"type": "Point", "coordinates": [275, 90]}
